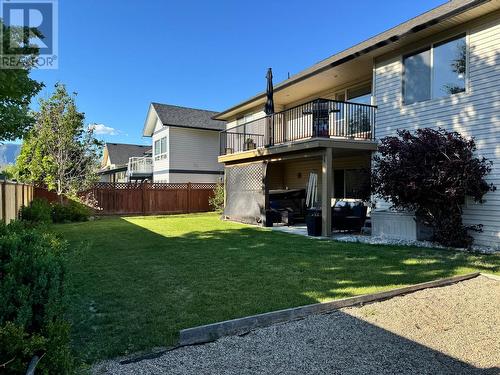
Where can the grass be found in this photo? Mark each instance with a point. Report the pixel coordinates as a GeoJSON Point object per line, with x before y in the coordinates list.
{"type": "Point", "coordinates": [135, 282]}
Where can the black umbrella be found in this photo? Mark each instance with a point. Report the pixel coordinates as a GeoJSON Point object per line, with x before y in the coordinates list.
{"type": "Point", "coordinates": [269, 108]}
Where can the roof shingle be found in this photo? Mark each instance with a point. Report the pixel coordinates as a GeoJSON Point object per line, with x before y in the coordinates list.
{"type": "Point", "coordinates": [119, 153]}
{"type": "Point", "coordinates": [173, 115]}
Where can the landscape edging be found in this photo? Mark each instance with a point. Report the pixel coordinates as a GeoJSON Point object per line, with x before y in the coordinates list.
{"type": "Point", "coordinates": [211, 332]}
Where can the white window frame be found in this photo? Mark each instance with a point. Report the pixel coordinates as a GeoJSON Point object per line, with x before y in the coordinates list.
{"type": "Point", "coordinates": [163, 153]}
{"type": "Point", "coordinates": [430, 47]}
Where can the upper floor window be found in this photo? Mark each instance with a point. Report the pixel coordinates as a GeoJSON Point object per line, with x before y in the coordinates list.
{"type": "Point", "coordinates": [360, 94]}
{"type": "Point", "coordinates": [436, 71]}
{"type": "Point", "coordinates": [160, 148]}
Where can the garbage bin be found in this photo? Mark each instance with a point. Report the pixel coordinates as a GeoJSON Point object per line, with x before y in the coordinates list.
{"type": "Point", "coordinates": [313, 222]}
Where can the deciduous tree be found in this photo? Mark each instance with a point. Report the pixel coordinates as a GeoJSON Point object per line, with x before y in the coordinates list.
{"type": "Point", "coordinates": [59, 152]}
{"type": "Point", "coordinates": [16, 87]}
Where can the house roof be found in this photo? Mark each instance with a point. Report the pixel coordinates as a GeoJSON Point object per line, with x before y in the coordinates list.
{"type": "Point", "coordinates": [119, 153]}
{"type": "Point", "coordinates": [173, 115]}
{"type": "Point", "coordinates": [392, 36]}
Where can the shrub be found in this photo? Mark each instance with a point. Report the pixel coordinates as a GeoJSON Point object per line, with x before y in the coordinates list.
{"type": "Point", "coordinates": [39, 211]}
{"type": "Point", "coordinates": [71, 211]}
{"type": "Point", "coordinates": [32, 295]}
{"type": "Point", "coordinates": [431, 172]}
{"type": "Point", "coordinates": [60, 213]}
{"type": "Point", "coordinates": [217, 200]}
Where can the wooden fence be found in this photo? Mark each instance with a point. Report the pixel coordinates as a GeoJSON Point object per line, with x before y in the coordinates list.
{"type": "Point", "coordinates": [151, 198]}
{"type": "Point", "coordinates": [13, 196]}
{"type": "Point", "coordinates": [43, 193]}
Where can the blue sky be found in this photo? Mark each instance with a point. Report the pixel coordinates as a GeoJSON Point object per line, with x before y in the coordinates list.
{"type": "Point", "coordinates": [119, 55]}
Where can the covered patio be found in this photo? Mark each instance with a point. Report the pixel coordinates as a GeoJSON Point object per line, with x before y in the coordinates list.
{"type": "Point", "coordinates": [270, 189]}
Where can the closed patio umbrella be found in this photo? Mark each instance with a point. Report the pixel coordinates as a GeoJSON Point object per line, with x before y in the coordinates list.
{"type": "Point", "coordinates": [269, 107]}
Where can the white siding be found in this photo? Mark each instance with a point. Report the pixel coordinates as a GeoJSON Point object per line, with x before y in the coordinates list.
{"type": "Point", "coordinates": [474, 113]}
{"type": "Point", "coordinates": [161, 166]}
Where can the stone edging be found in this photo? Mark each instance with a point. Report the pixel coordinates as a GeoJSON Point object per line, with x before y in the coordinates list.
{"type": "Point", "coordinates": [211, 332]}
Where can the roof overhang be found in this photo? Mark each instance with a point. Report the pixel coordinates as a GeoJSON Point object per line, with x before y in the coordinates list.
{"type": "Point", "coordinates": [150, 123]}
{"type": "Point", "coordinates": [355, 58]}
{"type": "Point", "coordinates": [113, 170]}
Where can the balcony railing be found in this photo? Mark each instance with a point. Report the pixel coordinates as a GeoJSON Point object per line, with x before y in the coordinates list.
{"type": "Point", "coordinates": [321, 118]}
{"type": "Point", "coordinates": [140, 166]}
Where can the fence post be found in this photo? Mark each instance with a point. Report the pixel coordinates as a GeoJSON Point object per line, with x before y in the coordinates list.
{"type": "Point", "coordinates": [189, 197]}
{"type": "Point", "coordinates": [16, 205]}
{"type": "Point", "coordinates": [4, 204]}
{"type": "Point", "coordinates": [144, 198]}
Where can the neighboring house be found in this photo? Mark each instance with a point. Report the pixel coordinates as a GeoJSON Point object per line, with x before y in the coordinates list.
{"type": "Point", "coordinates": [440, 69]}
{"type": "Point", "coordinates": [126, 163]}
{"type": "Point", "coordinates": [185, 144]}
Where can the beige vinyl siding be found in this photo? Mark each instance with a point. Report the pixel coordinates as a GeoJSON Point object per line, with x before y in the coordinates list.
{"type": "Point", "coordinates": [248, 117]}
{"type": "Point", "coordinates": [193, 149]}
{"type": "Point", "coordinates": [474, 113]}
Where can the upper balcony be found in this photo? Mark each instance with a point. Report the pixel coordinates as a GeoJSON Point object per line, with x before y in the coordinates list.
{"type": "Point", "coordinates": [140, 167]}
{"type": "Point", "coordinates": [318, 119]}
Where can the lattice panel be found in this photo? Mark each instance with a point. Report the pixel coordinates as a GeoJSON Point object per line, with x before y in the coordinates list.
{"type": "Point", "coordinates": [202, 186]}
{"type": "Point", "coordinates": [152, 186]}
{"type": "Point", "coordinates": [163, 186]}
{"type": "Point", "coordinates": [245, 178]}
{"type": "Point", "coordinates": [117, 185]}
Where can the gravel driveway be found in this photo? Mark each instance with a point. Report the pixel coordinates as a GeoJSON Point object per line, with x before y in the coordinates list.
{"type": "Point", "coordinates": [448, 330]}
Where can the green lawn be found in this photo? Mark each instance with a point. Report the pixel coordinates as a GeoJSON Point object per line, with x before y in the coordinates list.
{"type": "Point", "coordinates": [134, 282]}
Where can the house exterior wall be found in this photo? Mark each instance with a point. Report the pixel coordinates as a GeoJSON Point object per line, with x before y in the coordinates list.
{"type": "Point", "coordinates": [190, 152]}
{"type": "Point", "coordinates": [251, 116]}
{"type": "Point", "coordinates": [161, 167]}
{"type": "Point", "coordinates": [472, 113]}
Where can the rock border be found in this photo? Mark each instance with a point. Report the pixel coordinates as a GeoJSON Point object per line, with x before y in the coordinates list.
{"type": "Point", "coordinates": [211, 332]}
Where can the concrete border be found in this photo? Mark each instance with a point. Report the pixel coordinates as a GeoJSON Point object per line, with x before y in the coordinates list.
{"type": "Point", "coordinates": [211, 332]}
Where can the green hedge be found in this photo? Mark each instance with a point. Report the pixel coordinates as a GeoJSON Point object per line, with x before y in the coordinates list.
{"type": "Point", "coordinates": [41, 211]}
{"type": "Point", "coordinates": [32, 294]}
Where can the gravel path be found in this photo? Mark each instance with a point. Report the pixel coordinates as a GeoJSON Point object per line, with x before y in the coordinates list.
{"type": "Point", "coordinates": [449, 330]}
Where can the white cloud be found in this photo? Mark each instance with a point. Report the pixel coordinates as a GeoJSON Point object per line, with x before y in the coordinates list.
{"type": "Point", "coordinates": [101, 129]}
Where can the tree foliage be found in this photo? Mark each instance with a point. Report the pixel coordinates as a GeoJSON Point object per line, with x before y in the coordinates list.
{"type": "Point", "coordinates": [216, 201]}
{"type": "Point", "coordinates": [16, 87]}
{"type": "Point", "coordinates": [59, 152]}
{"type": "Point", "coordinates": [431, 172]}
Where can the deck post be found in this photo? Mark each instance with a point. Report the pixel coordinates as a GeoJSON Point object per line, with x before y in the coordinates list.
{"type": "Point", "coordinates": [326, 192]}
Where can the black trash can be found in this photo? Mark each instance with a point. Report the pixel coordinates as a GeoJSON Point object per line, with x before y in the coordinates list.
{"type": "Point", "coordinates": [313, 222]}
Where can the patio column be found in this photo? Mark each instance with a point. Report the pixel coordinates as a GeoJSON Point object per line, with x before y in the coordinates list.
{"type": "Point", "coordinates": [326, 192]}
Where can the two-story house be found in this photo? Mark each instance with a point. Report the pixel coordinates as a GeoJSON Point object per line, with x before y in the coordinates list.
{"type": "Point", "coordinates": [185, 144]}
{"type": "Point", "coordinates": [439, 69]}
{"type": "Point", "coordinates": [122, 162]}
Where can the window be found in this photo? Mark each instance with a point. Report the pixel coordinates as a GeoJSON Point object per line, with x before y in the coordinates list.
{"type": "Point", "coordinates": [361, 94]}
{"type": "Point", "coordinates": [435, 72]}
{"type": "Point", "coordinates": [161, 148]}
{"type": "Point", "coordinates": [356, 118]}
{"type": "Point", "coordinates": [351, 183]}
